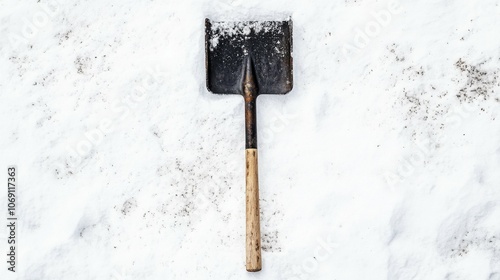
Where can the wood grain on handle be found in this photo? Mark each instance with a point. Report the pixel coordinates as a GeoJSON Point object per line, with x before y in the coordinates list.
{"type": "Point", "coordinates": [253, 260]}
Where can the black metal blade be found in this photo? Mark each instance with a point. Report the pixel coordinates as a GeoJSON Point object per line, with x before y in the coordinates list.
{"type": "Point", "coordinates": [230, 45]}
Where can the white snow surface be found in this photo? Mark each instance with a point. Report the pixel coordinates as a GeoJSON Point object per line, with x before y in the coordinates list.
{"type": "Point", "coordinates": [382, 163]}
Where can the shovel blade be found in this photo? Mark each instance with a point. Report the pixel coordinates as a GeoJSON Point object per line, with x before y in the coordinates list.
{"type": "Point", "coordinates": [229, 46]}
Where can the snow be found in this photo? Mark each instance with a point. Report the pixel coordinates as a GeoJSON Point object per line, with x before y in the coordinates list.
{"type": "Point", "coordinates": [382, 163]}
{"type": "Point", "coordinates": [242, 28]}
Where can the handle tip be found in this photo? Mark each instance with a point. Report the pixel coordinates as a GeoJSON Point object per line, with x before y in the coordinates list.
{"type": "Point", "coordinates": [254, 269]}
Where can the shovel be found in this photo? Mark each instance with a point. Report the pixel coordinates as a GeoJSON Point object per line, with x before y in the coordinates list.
{"type": "Point", "coordinates": [249, 58]}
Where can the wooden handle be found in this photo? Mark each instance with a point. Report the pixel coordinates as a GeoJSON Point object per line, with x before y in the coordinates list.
{"type": "Point", "coordinates": [254, 260]}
